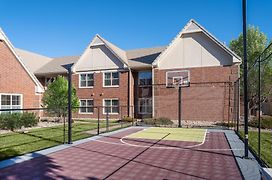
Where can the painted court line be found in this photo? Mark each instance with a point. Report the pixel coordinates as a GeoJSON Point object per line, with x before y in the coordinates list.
{"type": "Point", "coordinates": [166, 148]}
{"type": "Point", "coordinates": [122, 141]}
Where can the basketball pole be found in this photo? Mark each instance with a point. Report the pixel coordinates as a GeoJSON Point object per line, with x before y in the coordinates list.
{"type": "Point", "coordinates": [245, 79]}
{"type": "Point", "coordinates": [68, 67]}
{"type": "Point", "coordinates": [179, 106]}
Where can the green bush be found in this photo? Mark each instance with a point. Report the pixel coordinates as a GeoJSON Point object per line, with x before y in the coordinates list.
{"type": "Point", "coordinates": [266, 122]}
{"type": "Point", "coordinates": [29, 119]}
{"type": "Point", "coordinates": [14, 121]}
{"type": "Point", "coordinates": [127, 119]}
{"type": "Point", "coordinates": [149, 121]}
{"type": "Point", "coordinates": [162, 121]}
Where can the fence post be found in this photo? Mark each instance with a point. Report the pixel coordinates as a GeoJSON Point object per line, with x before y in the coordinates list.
{"type": "Point", "coordinates": [259, 108]}
{"type": "Point", "coordinates": [107, 118]}
{"type": "Point", "coordinates": [98, 121]}
{"type": "Point", "coordinates": [179, 106]}
{"type": "Point", "coordinates": [69, 68]}
{"type": "Point", "coordinates": [245, 78]}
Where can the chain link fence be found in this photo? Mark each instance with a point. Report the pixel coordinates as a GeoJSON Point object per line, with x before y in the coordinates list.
{"type": "Point", "coordinates": [260, 107]}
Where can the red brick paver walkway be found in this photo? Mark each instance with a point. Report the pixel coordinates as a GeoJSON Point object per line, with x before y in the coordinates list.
{"type": "Point", "coordinates": [114, 160]}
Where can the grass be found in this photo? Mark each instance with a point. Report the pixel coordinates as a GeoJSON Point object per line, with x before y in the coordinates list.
{"type": "Point", "coordinates": [176, 134]}
{"type": "Point", "coordinates": [266, 145]}
{"type": "Point", "coordinates": [18, 143]}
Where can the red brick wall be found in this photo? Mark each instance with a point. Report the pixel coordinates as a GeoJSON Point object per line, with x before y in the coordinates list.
{"type": "Point", "coordinates": [14, 78]}
{"type": "Point", "coordinates": [209, 97]}
{"type": "Point", "coordinates": [98, 93]}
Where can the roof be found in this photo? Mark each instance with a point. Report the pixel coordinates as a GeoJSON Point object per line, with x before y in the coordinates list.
{"type": "Point", "coordinates": [139, 58]}
{"type": "Point", "coordinates": [55, 65]}
{"type": "Point", "coordinates": [32, 60]}
{"type": "Point", "coordinates": [39, 88]}
{"type": "Point", "coordinates": [192, 27]}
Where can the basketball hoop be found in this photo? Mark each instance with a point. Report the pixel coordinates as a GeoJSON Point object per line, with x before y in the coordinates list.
{"type": "Point", "coordinates": [176, 79]}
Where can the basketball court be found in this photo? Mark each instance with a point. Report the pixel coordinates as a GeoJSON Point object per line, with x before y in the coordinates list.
{"type": "Point", "coordinates": [136, 153]}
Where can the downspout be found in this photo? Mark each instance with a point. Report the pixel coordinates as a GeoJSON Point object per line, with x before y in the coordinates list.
{"type": "Point", "coordinates": [129, 92]}
{"type": "Point", "coordinates": [153, 95]}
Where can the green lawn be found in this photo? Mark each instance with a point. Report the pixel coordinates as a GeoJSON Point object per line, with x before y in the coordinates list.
{"type": "Point", "coordinates": [174, 134]}
{"type": "Point", "coordinates": [18, 143]}
{"type": "Point", "coordinates": [266, 145]}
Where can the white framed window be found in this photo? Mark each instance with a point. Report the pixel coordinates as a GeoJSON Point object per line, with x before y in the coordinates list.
{"type": "Point", "coordinates": [111, 79]}
{"type": "Point", "coordinates": [86, 106]}
{"type": "Point", "coordinates": [86, 80]}
{"type": "Point", "coordinates": [111, 106]}
{"type": "Point", "coordinates": [145, 106]}
{"type": "Point", "coordinates": [11, 101]}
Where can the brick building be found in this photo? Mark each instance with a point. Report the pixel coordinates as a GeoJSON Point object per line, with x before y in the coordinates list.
{"type": "Point", "coordinates": [19, 88]}
{"type": "Point", "coordinates": [134, 83]}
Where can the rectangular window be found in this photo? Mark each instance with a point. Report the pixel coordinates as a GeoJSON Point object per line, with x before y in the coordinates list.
{"type": "Point", "coordinates": [49, 80]}
{"type": "Point", "coordinates": [111, 79]}
{"type": "Point", "coordinates": [11, 101]}
{"type": "Point", "coordinates": [145, 106]}
{"type": "Point", "coordinates": [145, 78]}
{"type": "Point", "coordinates": [86, 106]}
{"type": "Point", "coordinates": [111, 106]}
{"type": "Point", "coordinates": [86, 80]}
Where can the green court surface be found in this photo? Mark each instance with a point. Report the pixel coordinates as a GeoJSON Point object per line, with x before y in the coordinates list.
{"type": "Point", "coordinates": [175, 134]}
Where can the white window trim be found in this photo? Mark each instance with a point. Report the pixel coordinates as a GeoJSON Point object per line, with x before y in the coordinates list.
{"type": "Point", "coordinates": [15, 94]}
{"type": "Point", "coordinates": [145, 106]}
{"type": "Point", "coordinates": [105, 106]}
{"type": "Point", "coordinates": [80, 106]}
{"type": "Point", "coordinates": [110, 71]}
{"type": "Point", "coordinates": [79, 80]}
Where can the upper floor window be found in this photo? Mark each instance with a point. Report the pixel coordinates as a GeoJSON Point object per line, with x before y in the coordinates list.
{"type": "Point", "coordinates": [86, 80]}
{"type": "Point", "coordinates": [111, 79]}
{"type": "Point", "coordinates": [49, 80]}
{"type": "Point", "coordinates": [145, 78]}
{"type": "Point", "coordinates": [11, 101]}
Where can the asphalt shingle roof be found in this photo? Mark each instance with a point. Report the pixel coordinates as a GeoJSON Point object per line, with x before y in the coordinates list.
{"type": "Point", "coordinates": [55, 65]}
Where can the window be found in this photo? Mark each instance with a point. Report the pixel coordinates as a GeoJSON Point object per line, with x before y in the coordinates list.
{"type": "Point", "coordinates": [145, 78]}
{"type": "Point", "coordinates": [111, 106]}
{"type": "Point", "coordinates": [86, 80]}
{"type": "Point", "coordinates": [111, 79]}
{"type": "Point", "coordinates": [11, 101]}
{"type": "Point", "coordinates": [86, 106]}
{"type": "Point", "coordinates": [49, 80]}
{"type": "Point", "coordinates": [145, 106]}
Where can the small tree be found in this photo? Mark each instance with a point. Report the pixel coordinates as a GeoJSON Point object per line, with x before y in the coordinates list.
{"type": "Point", "coordinates": [56, 97]}
{"type": "Point", "coordinates": [257, 41]}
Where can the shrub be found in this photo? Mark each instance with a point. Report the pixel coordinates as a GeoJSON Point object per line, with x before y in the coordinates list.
{"type": "Point", "coordinates": [29, 119]}
{"type": "Point", "coordinates": [163, 121]}
{"type": "Point", "coordinates": [266, 122]}
{"type": "Point", "coordinates": [149, 121]}
{"type": "Point", "coordinates": [14, 121]}
{"type": "Point", "coordinates": [127, 119]}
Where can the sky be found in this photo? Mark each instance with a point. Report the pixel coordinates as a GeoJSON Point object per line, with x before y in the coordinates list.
{"type": "Point", "coordinates": [57, 28]}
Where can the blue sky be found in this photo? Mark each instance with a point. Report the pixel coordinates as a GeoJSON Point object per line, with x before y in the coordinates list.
{"type": "Point", "coordinates": [65, 27]}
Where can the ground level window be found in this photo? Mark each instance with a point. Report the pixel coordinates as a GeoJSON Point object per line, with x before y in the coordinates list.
{"type": "Point", "coordinates": [145, 106]}
{"type": "Point", "coordinates": [86, 106]}
{"type": "Point", "coordinates": [11, 101]}
{"type": "Point", "coordinates": [111, 106]}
